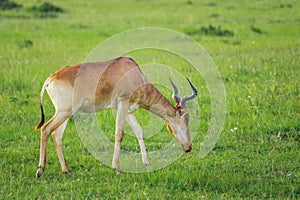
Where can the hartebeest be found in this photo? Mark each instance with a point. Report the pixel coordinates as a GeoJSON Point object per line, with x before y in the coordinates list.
{"type": "Point", "coordinates": [117, 83]}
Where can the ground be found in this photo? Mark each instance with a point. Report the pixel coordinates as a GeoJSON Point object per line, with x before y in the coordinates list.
{"type": "Point", "coordinates": [256, 47]}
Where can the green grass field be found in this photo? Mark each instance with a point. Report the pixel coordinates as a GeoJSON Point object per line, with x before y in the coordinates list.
{"type": "Point", "coordinates": [257, 51]}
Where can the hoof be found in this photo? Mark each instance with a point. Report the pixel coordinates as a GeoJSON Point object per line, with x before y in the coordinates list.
{"type": "Point", "coordinates": [118, 171]}
{"type": "Point", "coordinates": [39, 173]}
{"type": "Point", "coordinates": [67, 172]}
{"type": "Point", "coordinates": [149, 167]}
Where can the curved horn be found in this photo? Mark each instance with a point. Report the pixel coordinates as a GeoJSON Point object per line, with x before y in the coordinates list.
{"type": "Point", "coordinates": [184, 99]}
{"type": "Point", "coordinates": [175, 93]}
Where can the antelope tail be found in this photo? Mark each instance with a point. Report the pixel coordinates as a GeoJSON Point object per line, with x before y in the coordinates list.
{"type": "Point", "coordinates": [42, 121]}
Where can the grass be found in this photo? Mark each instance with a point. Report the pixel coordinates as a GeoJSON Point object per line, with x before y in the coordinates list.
{"type": "Point", "coordinates": [259, 159]}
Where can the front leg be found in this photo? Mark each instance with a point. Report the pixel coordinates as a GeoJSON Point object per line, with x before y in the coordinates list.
{"type": "Point", "coordinates": [122, 110]}
{"type": "Point", "coordinates": [140, 136]}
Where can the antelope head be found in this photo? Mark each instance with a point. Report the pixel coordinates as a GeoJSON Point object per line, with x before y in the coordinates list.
{"type": "Point", "coordinates": [178, 125]}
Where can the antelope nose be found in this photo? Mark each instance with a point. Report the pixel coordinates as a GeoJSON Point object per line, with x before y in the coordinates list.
{"type": "Point", "coordinates": [187, 148]}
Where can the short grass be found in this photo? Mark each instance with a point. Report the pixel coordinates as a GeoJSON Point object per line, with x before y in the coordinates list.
{"type": "Point", "coordinates": [259, 63]}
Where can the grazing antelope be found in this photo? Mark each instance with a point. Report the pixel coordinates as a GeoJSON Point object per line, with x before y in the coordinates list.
{"type": "Point", "coordinates": [117, 83]}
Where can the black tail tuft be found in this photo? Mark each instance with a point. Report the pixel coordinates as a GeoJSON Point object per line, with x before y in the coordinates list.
{"type": "Point", "coordinates": [42, 118]}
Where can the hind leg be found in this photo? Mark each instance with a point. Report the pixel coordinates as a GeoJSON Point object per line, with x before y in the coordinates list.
{"type": "Point", "coordinates": [57, 120]}
{"type": "Point", "coordinates": [57, 138]}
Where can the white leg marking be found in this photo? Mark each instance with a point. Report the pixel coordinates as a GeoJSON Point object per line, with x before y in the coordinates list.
{"type": "Point", "coordinates": [131, 119]}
